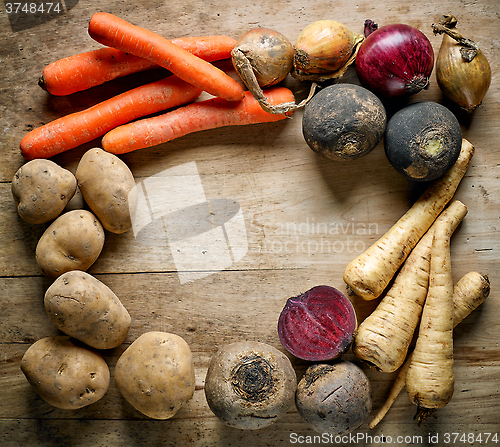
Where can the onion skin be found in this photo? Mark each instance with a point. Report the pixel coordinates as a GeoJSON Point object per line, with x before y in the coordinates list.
{"type": "Point", "coordinates": [465, 83]}
{"type": "Point", "coordinates": [323, 46]}
{"type": "Point", "coordinates": [269, 52]}
{"type": "Point", "coordinates": [395, 60]}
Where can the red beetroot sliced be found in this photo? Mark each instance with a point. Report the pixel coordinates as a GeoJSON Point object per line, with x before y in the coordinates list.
{"type": "Point", "coordinates": [318, 324]}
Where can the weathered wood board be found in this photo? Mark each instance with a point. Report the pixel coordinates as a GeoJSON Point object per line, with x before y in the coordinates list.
{"type": "Point", "coordinates": [304, 218]}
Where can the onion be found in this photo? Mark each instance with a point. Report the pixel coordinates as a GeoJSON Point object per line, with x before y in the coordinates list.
{"type": "Point", "coordinates": [263, 58]}
{"type": "Point", "coordinates": [324, 50]}
{"type": "Point", "coordinates": [395, 60]}
{"type": "Point", "coordinates": [462, 71]}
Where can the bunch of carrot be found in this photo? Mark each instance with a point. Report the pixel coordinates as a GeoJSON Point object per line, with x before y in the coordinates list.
{"type": "Point", "coordinates": [130, 49]}
{"type": "Point", "coordinates": [410, 268]}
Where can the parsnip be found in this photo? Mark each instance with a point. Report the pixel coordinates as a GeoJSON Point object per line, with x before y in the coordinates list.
{"type": "Point", "coordinates": [369, 274]}
{"type": "Point", "coordinates": [469, 292]}
{"type": "Point", "coordinates": [383, 338]}
{"type": "Point", "coordinates": [430, 379]}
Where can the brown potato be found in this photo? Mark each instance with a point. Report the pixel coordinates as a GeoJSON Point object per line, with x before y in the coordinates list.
{"type": "Point", "coordinates": [41, 189]}
{"type": "Point", "coordinates": [155, 374]}
{"type": "Point", "coordinates": [73, 241]}
{"type": "Point", "coordinates": [105, 182]}
{"type": "Point", "coordinates": [65, 374]}
{"type": "Point", "coordinates": [85, 308]}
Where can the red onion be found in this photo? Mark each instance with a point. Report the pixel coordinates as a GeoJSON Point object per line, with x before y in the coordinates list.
{"type": "Point", "coordinates": [394, 60]}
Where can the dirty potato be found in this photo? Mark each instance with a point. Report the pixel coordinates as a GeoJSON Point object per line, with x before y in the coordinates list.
{"type": "Point", "coordinates": [65, 374]}
{"type": "Point", "coordinates": [155, 374]}
{"type": "Point", "coordinates": [105, 182]}
{"type": "Point", "coordinates": [73, 241]}
{"type": "Point", "coordinates": [83, 307]}
{"type": "Point", "coordinates": [41, 189]}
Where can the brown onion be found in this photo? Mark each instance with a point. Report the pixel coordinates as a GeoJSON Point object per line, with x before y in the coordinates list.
{"type": "Point", "coordinates": [263, 58]}
{"type": "Point", "coordinates": [269, 53]}
{"type": "Point", "coordinates": [462, 70]}
{"type": "Point", "coordinates": [324, 50]}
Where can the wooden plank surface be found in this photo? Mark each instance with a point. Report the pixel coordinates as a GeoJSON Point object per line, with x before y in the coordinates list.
{"type": "Point", "coordinates": [305, 219]}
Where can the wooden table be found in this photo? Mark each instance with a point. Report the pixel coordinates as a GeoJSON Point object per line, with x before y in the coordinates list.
{"type": "Point", "coordinates": [305, 219]}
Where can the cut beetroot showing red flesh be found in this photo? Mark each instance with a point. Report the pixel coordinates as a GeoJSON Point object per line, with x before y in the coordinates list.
{"type": "Point", "coordinates": [317, 325]}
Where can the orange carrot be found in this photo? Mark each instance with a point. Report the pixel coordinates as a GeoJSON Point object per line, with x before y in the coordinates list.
{"type": "Point", "coordinates": [81, 127]}
{"type": "Point", "coordinates": [82, 71]}
{"type": "Point", "coordinates": [209, 114]}
{"type": "Point", "coordinates": [113, 31]}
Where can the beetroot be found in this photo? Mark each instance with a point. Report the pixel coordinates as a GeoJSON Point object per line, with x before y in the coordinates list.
{"type": "Point", "coordinates": [318, 324]}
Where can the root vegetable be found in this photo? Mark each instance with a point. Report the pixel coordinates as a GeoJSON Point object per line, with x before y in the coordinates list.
{"type": "Point", "coordinates": [334, 398]}
{"type": "Point", "coordinates": [250, 385]}
{"type": "Point", "coordinates": [65, 373]}
{"type": "Point", "coordinates": [343, 122]}
{"type": "Point", "coordinates": [113, 31]}
{"type": "Point", "coordinates": [73, 241]}
{"type": "Point", "coordinates": [203, 115]}
{"type": "Point", "coordinates": [85, 70]}
{"type": "Point", "coordinates": [83, 307]}
{"type": "Point", "coordinates": [105, 182]}
{"type": "Point", "coordinates": [317, 325]}
{"type": "Point", "coordinates": [155, 374]}
{"type": "Point", "coordinates": [263, 58]}
{"type": "Point", "coordinates": [469, 292]}
{"type": "Point", "coordinates": [383, 338]}
{"type": "Point", "coordinates": [324, 50]}
{"type": "Point", "coordinates": [430, 379]}
{"type": "Point", "coordinates": [463, 72]}
{"type": "Point", "coordinates": [41, 190]}
{"type": "Point", "coordinates": [70, 131]}
{"type": "Point", "coordinates": [422, 141]}
{"type": "Point", "coordinates": [369, 274]}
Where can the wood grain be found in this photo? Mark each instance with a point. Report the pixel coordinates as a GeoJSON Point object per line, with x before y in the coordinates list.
{"type": "Point", "coordinates": [305, 219]}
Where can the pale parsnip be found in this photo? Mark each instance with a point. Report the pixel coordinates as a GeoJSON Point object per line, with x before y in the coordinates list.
{"type": "Point", "coordinates": [469, 292]}
{"type": "Point", "coordinates": [369, 274]}
{"type": "Point", "coordinates": [383, 338]}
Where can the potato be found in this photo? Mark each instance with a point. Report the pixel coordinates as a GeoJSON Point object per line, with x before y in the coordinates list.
{"type": "Point", "coordinates": [73, 241]}
{"type": "Point", "coordinates": [105, 182]}
{"type": "Point", "coordinates": [155, 374]}
{"type": "Point", "coordinates": [41, 189]}
{"type": "Point", "coordinates": [334, 398]}
{"type": "Point", "coordinates": [85, 308]}
{"type": "Point", "coordinates": [64, 373]}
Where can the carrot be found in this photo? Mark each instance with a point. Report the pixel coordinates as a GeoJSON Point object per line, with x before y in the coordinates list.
{"type": "Point", "coordinates": [113, 31]}
{"type": "Point", "coordinates": [82, 71]}
{"type": "Point", "coordinates": [81, 127]}
{"type": "Point", "coordinates": [469, 292]}
{"type": "Point", "coordinates": [430, 379]}
{"type": "Point", "coordinates": [383, 338]}
{"type": "Point", "coordinates": [369, 274]}
{"type": "Point", "coordinates": [203, 115]}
